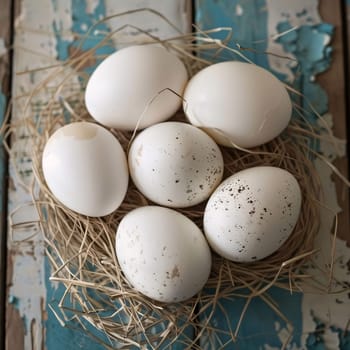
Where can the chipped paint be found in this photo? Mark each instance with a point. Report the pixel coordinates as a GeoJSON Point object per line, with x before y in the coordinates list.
{"type": "Point", "coordinates": [35, 44]}
{"type": "Point", "coordinates": [45, 34]}
{"type": "Point", "coordinates": [308, 43]}
{"type": "Point", "coordinates": [299, 14]}
{"type": "Point", "coordinates": [331, 310]}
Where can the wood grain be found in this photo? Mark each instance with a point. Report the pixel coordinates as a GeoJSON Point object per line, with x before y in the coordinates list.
{"type": "Point", "coordinates": [333, 81]}
{"type": "Point", "coordinates": [5, 77]}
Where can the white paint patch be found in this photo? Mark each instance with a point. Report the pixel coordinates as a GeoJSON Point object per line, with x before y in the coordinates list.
{"type": "Point", "coordinates": [285, 333]}
{"type": "Point", "coordinates": [178, 12]}
{"type": "Point", "coordinates": [84, 27]}
{"type": "Point", "coordinates": [63, 19]}
{"type": "Point", "coordinates": [332, 309]}
{"type": "Point", "coordinates": [35, 45]}
{"type": "Point", "coordinates": [239, 10]}
{"type": "Point", "coordinates": [297, 13]}
{"type": "Point", "coordinates": [91, 6]}
{"type": "Point", "coordinates": [3, 49]}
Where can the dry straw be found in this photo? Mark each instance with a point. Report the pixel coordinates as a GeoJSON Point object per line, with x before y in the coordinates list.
{"type": "Point", "coordinates": [81, 249]}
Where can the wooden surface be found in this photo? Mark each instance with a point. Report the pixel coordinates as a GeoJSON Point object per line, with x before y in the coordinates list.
{"type": "Point", "coordinates": [5, 75]}
{"type": "Point", "coordinates": [30, 324]}
{"type": "Point", "coordinates": [334, 82]}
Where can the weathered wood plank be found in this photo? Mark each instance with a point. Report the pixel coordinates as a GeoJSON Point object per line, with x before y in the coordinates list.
{"type": "Point", "coordinates": [5, 78]}
{"type": "Point", "coordinates": [333, 81]}
{"type": "Point", "coordinates": [47, 31]}
{"type": "Point", "coordinates": [308, 45]}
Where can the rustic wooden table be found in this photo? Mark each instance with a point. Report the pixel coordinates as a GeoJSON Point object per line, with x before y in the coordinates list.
{"type": "Point", "coordinates": [35, 33]}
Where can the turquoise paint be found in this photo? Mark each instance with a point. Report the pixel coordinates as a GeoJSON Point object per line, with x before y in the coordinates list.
{"type": "Point", "coordinates": [13, 300]}
{"type": "Point", "coordinates": [82, 21]}
{"type": "Point", "coordinates": [307, 44]}
{"type": "Point", "coordinates": [344, 338]}
{"type": "Point", "coordinates": [259, 324]}
{"type": "Point", "coordinates": [2, 106]}
{"type": "Point", "coordinates": [70, 337]}
{"type": "Point", "coordinates": [248, 28]}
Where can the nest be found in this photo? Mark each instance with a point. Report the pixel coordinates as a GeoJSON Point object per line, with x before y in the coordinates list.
{"type": "Point", "coordinates": [81, 249]}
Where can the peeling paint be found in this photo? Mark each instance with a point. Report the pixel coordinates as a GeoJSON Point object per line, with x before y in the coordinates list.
{"type": "Point", "coordinates": [299, 14]}
{"type": "Point", "coordinates": [331, 310]}
{"type": "Point", "coordinates": [45, 34]}
{"type": "Point", "coordinates": [35, 45]}
{"type": "Point", "coordinates": [308, 44]}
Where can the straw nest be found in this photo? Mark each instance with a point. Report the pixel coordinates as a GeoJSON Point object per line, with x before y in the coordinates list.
{"type": "Point", "coordinates": [81, 249]}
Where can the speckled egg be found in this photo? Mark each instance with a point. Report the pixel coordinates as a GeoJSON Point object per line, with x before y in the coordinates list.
{"type": "Point", "coordinates": [175, 164]}
{"type": "Point", "coordinates": [162, 253]}
{"type": "Point", "coordinates": [252, 213]}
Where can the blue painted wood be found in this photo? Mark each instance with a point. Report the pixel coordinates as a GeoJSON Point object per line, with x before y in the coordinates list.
{"type": "Point", "coordinates": [72, 336]}
{"type": "Point", "coordinates": [248, 19]}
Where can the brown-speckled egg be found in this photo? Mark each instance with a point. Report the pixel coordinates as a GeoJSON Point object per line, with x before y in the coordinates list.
{"type": "Point", "coordinates": [252, 213]}
{"type": "Point", "coordinates": [162, 253]}
{"type": "Point", "coordinates": [175, 164]}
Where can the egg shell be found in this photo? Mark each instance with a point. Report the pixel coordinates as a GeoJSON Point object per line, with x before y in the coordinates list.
{"type": "Point", "coordinates": [162, 253]}
{"type": "Point", "coordinates": [252, 213]}
{"type": "Point", "coordinates": [238, 102]}
{"type": "Point", "coordinates": [85, 168]}
{"type": "Point", "coordinates": [175, 164]}
{"type": "Point", "coordinates": [123, 85]}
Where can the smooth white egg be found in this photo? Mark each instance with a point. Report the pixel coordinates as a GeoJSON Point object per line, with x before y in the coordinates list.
{"type": "Point", "coordinates": [162, 253]}
{"type": "Point", "coordinates": [124, 84]}
{"type": "Point", "coordinates": [252, 213]}
{"type": "Point", "coordinates": [238, 102]}
{"type": "Point", "coordinates": [175, 164]}
{"type": "Point", "coordinates": [85, 168]}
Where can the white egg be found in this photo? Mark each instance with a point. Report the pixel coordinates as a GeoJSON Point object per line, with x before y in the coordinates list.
{"type": "Point", "coordinates": [252, 213]}
{"type": "Point", "coordinates": [238, 102]}
{"type": "Point", "coordinates": [175, 164]}
{"type": "Point", "coordinates": [123, 85]}
{"type": "Point", "coordinates": [85, 168]}
{"type": "Point", "coordinates": [162, 253]}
